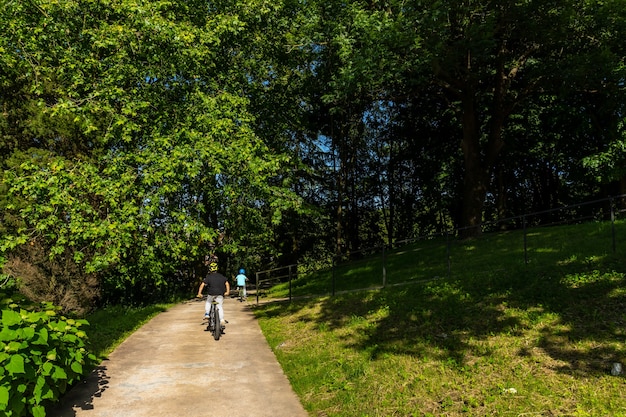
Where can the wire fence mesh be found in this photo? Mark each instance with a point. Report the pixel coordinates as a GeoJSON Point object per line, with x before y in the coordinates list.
{"type": "Point", "coordinates": [574, 234]}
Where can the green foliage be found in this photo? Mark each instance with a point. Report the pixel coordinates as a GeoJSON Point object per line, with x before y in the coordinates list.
{"type": "Point", "coordinates": [137, 135]}
{"type": "Point", "coordinates": [41, 355]}
{"type": "Point", "coordinates": [135, 149]}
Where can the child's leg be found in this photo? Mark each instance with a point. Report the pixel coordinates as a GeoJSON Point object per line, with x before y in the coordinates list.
{"type": "Point", "coordinates": [207, 305]}
{"type": "Point", "coordinates": [220, 307]}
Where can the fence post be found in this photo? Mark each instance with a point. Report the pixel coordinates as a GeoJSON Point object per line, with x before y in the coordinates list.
{"type": "Point", "coordinates": [384, 267]}
{"type": "Point", "coordinates": [448, 254]}
{"type": "Point", "coordinates": [257, 288]}
{"type": "Point", "coordinates": [290, 282]}
{"type": "Point", "coordinates": [333, 277]}
{"type": "Point", "coordinates": [525, 241]}
{"type": "Point", "coordinates": [612, 202]}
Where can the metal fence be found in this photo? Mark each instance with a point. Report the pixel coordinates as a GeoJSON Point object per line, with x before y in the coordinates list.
{"type": "Point", "coordinates": [529, 238]}
{"type": "Point", "coordinates": [264, 280]}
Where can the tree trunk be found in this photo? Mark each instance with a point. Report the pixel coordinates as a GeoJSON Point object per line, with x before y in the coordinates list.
{"type": "Point", "coordinates": [478, 162]}
{"type": "Point", "coordinates": [339, 213]}
{"type": "Point", "coordinates": [501, 205]}
{"type": "Point", "coordinates": [391, 176]}
{"type": "Point", "coordinates": [474, 183]}
{"type": "Point", "coordinates": [477, 167]}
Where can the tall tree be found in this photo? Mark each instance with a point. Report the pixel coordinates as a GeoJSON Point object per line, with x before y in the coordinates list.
{"type": "Point", "coordinates": [163, 159]}
{"type": "Point", "coordinates": [493, 57]}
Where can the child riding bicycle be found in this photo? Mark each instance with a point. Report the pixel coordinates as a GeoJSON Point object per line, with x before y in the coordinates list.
{"type": "Point", "coordinates": [218, 287]}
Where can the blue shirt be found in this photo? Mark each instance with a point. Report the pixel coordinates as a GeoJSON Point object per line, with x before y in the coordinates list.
{"type": "Point", "coordinates": [241, 280]}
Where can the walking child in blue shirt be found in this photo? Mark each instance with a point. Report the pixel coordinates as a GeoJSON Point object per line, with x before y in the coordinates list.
{"type": "Point", "coordinates": [241, 284]}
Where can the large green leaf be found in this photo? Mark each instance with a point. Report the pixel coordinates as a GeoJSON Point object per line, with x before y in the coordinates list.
{"type": "Point", "coordinates": [4, 397]}
{"type": "Point", "coordinates": [7, 334]}
{"type": "Point", "coordinates": [59, 373]}
{"type": "Point", "coordinates": [38, 411]}
{"type": "Point", "coordinates": [77, 367]}
{"type": "Point", "coordinates": [16, 364]}
{"type": "Point", "coordinates": [41, 337]}
{"type": "Point", "coordinates": [10, 318]}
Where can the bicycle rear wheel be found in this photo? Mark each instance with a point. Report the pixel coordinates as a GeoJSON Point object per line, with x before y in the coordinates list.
{"type": "Point", "coordinates": [209, 324]}
{"type": "Point", "coordinates": [217, 328]}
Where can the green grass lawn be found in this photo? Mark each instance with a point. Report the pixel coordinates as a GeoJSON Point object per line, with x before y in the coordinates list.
{"type": "Point", "coordinates": [109, 327]}
{"type": "Point", "coordinates": [492, 335]}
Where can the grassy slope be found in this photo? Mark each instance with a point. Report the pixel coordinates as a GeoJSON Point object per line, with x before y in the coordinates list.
{"type": "Point", "coordinates": [493, 337]}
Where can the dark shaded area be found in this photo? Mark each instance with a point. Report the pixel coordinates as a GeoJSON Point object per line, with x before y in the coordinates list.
{"type": "Point", "coordinates": [82, 396]}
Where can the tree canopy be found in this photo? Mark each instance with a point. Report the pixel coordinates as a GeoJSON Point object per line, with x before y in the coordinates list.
{"type": "Point", "coordinates": [137, 136]}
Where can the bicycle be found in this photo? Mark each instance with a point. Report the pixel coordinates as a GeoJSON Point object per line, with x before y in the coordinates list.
{"type": "Point", "coordinates": [214, 325]}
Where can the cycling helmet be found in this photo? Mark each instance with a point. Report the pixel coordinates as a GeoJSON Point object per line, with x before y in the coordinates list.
{"type": "Point", "coordinates": [242, 271]}
{"type": "Point", "coordinates": [213, 267]}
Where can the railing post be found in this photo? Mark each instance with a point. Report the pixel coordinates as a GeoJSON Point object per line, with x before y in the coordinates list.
{"type": "Point", "coordinates": [448, 254]}
{"type": "Point", "coordinates": [384, 267]}
{"type": "Point", "coordinates": [257, 288]}
{"type": "Point", "coordinates": [612, 202]}
{"type": "Point", "coordinates": [290, 282]}
{"type": "Point", "coordinates": [525, 241]}
{"type": "Point", "coordinates": [333, 278]}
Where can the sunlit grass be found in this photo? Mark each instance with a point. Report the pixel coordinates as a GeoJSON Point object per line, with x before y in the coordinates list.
{"type": "Point", "coordinates": [496, 336]}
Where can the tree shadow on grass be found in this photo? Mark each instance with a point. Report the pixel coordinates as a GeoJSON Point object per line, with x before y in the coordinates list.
{"type": "Point", "coordinates": [422, 321]}
{"type": "Point", "coordinates": [577, 319]}
{"type": "Point", "coordinates": [590, 334]}
{"type": "Point", "coordinates": [588, 318]}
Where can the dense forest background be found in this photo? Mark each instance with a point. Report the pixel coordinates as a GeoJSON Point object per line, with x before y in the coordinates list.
{"type": "Point", "coordinates": [137, 136]}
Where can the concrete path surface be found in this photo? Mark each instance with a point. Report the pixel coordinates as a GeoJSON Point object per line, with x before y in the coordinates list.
{"type": "Point", "coordinates": [172, 367]}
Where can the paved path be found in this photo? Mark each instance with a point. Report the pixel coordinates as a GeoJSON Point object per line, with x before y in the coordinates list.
{"type": "Point", "coordinates": [172, 367]}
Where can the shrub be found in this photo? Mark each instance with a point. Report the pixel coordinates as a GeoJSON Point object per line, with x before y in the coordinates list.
{"type": "Point", "coordinates": [41, 354]}
{"type": "Point", "coordinates": [60, 280]}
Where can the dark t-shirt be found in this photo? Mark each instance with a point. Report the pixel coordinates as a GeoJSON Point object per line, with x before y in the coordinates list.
{"type": "Point", "coordinates": [216, 283]}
